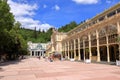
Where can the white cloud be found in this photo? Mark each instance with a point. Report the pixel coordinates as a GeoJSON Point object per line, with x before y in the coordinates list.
{"type": "Point", "coordinates": [108, 1]}
{"type": "Point", "coordinates": [56, 7]}
{"type": "Point", "coordinates": [24, 12]}
{"type": "Point", "coordinates": [44, 6]}
{"type": "Point", "coordinates": [86, 1]}
{"type": "Point", "coordinates": [22, 9]}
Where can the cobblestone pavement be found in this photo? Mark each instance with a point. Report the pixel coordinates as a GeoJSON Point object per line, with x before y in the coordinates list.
{"type": "Point", "coordinates": [35, 69]}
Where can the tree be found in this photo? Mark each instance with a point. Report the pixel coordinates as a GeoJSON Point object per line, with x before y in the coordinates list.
{"type": "Point", "coordinates": [12, 43]}
{"type": "Point", "coordinates": [6, 17]}
{"type": "Point", "coordinates": [6, 24]}
{"type": "Point", "coordinates": [35, 33]}
{"type": "Point", "coordinates": [68, 27]}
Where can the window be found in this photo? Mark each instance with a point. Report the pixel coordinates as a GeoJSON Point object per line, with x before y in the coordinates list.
{"type": "Point", "coordinates": [111, 14]}
{"type": "Point", "coordinates": [101, 18]}
{"type": "Point", "coordinates": [118, 10]}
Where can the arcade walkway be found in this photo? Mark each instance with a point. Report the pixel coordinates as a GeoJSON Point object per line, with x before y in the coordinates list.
{"type": "Point", "coordinates": [35, 69]}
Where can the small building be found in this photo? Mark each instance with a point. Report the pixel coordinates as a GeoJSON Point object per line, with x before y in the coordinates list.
{"type": "Point", "coordinates": [37, 49]}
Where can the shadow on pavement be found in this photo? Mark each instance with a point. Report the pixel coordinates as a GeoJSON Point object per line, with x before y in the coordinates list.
{"type": "Point", "coordinates": [10, 62]}
{"type": "Point", "coordinates": [1, 77]}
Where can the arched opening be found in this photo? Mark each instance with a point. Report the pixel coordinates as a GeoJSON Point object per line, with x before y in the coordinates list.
{"type": "Point", "coordinates": [81, 49]}
{"type": "Point", "coordinates": [86, 46]}
{"type": "Point", "coordinates": [32, 53]}
{"type": "Point", "coordinates": [76, 45]}
{"type": "Point", "coordinates": [82, 54]}
{"type": "Point", "coordinates": [103, 53]}
{"type": "Point", "coordinates": [102, 36]}
{"type": "Point", "coordinates": [112, 34]}
{"type": "Point", "coordinates": [114, 52]}
{"type": "Point", "coordinates": [93, 46]}
{"type": "Point", "coordinates": [94, 53]}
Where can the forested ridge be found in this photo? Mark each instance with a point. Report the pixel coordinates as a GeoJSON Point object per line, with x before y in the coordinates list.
{"type": "Point", "coordinates": [36, 36]}
{"type": "Point", "coordinates": [42, 36]}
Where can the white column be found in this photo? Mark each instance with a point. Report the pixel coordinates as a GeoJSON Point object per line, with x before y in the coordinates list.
{"type": "Point", "coordinates": [68, 51]}
{"type": "Point", "coordinates": [79, 49]}
{"type": "Point", "coordinates": [118, 28]}
{"type": "Point", "coordinates": [30, 53]}
{"type": "Point", "coordinates": [34, 53]}
{"type": "Point", "coordinates": [71, 49]}
{"type": "Point", "coordinates": [108, 53]}
{"type": "Point", "coordinates": [98, 48]}
{"type": "Point", "coordinates": [90, 53]}
{"type": "Point", "coordinates": [84, 48]}
{"type": "Point", "coordinates": [42, 53]}
{"type": "Point", "coordinates": [65, 50]}
{"type": "Point", "coordinates": [74, 49]}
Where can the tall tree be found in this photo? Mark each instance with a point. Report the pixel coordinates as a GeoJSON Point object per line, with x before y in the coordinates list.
{"type": "Point", "coordinates": [11, 42]}
{"type": "Point", "coordinates": [6, 17]}
{"type": "Point", "coordinates": [35, 33]}
{"type": "Point", "coordinates": [6, 24]}
{"type": "Point", "coordinates": [68, 27]}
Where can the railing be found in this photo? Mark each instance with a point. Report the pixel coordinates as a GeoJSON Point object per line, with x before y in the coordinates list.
{"type": "Point", "coordinates": [86, 43]}
{"type": "Point", "coordinates": [94, 42]}
{"type": "Point", "coordinates": [102, 40]}
{"type": "Point", "coordinates": [81, 44]}
{"type": "Point", "coordinates": [112, 38]}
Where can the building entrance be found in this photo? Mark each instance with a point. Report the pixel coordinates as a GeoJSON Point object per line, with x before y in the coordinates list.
{"type": "Point", "coordinates": [114, 52]}
{"type": "Point", "coordinates": [82, 54]}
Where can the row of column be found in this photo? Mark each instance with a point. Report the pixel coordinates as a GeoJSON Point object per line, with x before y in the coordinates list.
{"type": "Point", "coordinates": [37, 53]}
{"type": "Point", "coordinates": [90, 51]}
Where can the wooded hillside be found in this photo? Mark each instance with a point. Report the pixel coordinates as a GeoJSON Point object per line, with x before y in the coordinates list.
{"type": "Point", "coordinates": [42, 36]}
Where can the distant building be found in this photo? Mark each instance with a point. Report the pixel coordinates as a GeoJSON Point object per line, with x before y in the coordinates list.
{"type": "Point", "coordinates": [37, 49]}
{"type": "Point", "coordinates": [55, 46]}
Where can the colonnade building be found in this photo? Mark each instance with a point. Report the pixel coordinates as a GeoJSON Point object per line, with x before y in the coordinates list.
{"type": "Point", "coordinates": [37, 49]}
{"type": "Point", "coordinates": [97, 39]}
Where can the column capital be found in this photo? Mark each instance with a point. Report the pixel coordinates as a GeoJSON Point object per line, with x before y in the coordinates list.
{"type": "Point", "coordinates": [79, 56]}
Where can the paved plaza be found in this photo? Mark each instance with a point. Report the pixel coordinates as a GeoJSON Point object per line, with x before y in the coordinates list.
{"type": "Point", "coordinates": [35, 69]}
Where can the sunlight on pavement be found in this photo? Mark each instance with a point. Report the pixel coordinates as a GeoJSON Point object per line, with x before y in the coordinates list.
{"type": "Point", "coordinates": [35, 69]}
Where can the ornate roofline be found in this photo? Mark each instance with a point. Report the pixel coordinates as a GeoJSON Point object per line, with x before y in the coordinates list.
{"type": "Point", "coordinates": [97, 16]}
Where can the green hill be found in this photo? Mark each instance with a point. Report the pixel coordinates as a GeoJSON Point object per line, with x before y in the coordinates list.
{"type": "Point", "coordinates": [36, 36]}
{"type": "Point", "coordinates": [42, 36]}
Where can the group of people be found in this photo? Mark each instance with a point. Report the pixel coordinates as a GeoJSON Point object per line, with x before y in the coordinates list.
{"type": "Point", "coordinates": [51, 58]}
{"type": "Point", "coordinates": [46, 58]}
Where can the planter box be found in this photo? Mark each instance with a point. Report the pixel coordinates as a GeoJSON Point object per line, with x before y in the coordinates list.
{"type": "Point", "coordinates": [117, 63]}
{"type": "Point", "coordinates": [87, 61]}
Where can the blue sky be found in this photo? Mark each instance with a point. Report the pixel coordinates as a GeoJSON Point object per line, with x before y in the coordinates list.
{"type": "Point", "coordinates": [44, 14]}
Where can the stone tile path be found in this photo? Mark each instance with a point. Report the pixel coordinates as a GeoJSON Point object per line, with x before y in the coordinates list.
{"type": "Point", "coordinates": [35, 69]}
